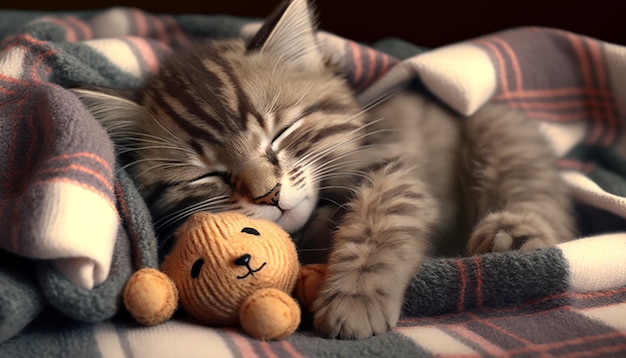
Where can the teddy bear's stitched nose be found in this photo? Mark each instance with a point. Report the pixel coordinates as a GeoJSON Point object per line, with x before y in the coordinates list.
{"type": "Point", "coordinates": [243, 260]}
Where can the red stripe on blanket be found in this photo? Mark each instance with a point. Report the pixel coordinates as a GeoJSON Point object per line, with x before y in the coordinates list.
{"type": "Point", "coordinates": [159, 29]}
{"type": "Point", "coordinates": [554, 92]}
{"type": "Point", "coordinates": [83, 185]}
{"type": "Point", "coordinates": [599, 65]}
{"type": "Point", "coordinates": [517, 72]}
{"type": "Point", "coordinates": [465, 316]}
{"type": "Point", "coordinates": [37, 66]}
{"type": "Point", "coordinates": [463, 278]}
{"type": "Point", "coordinates": [288, 347]}
{"type": "Point", "coordinates": [581, 74]}
{"type": "Point", "coordinates": [595, 352]}
{"type": "Point", "coordinates": [356, 58]}
{"type": "Point", "coordinates": [543, 348]}
{"type": "Point", "coordinates": [579, 104]}
{"type": "Point", "coordinates": [70, 33]}
{"type": "Point", "coordinates": [172, 26]}
{"type": "Point", "coordinates": [243, 344]}
{"type": "Point", "coordinates": [40, 50]}
{"type": "Point", "coordinates": [479, 282]}
{"type": "Point", "coordinates": [87, 33]}
{"type": "Point", "coordinates": [89, 155]}
{"type": "Point", "coordinates": [502, 330]}
{"type": "Point", "coordinates": [475, 339]}
{"type": "Point", "coordinates": [141, 24]}
{"type": "Point", "coordinates": [6, 91]}
{"type": "Point", "coordinates": [504, 84]}
{"type": "Point", "coordinates": [79, 168]}
{"type": "Point", "coordinates": [604, 126]}
{"type": "Point", "coordinates": [518, 334]}
{"type": "Point", "coordinates": [585, 168]}
{"type": "Point", "coordinates": [385, 64]}
{"type": "Point", "coordinates": [145, 53]}
{"type": "Point", "coordinates": [265, 347]}
{"type": "Point", "coordinates": [585, 68]}
{"type": "Point", "coordinates": [12, 169]}
{"type": "Point", "coordinates": [371, 54]}
{"type": "Point", "coordinates": [13, 80]}
{"type": "Point", "coordinates": [119, 195]}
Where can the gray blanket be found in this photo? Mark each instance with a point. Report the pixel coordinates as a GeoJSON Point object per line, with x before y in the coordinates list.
{"type": "Point", "coordinates": [73, 227]}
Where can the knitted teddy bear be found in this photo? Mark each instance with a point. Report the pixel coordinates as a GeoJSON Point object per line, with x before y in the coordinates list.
{"type": "Point", "coordinates": [227, 269]}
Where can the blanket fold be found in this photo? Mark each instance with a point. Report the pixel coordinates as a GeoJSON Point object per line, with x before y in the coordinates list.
{"type": "Point", "coordinates": [73, 227]}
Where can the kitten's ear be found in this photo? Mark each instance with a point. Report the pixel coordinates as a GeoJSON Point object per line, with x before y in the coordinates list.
{"type": "Point", "coordinates": [289, 32]}
{"type": "Point", "coordinates": [115, 111]}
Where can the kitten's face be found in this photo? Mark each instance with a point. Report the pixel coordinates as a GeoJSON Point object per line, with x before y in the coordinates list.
{"type": "Point", "coordinates": [243, 127]}
{"type": "Point", "coordinates": [251, 126]}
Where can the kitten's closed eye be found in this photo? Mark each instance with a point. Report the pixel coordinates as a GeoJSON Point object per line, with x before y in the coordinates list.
{"type": "Point", "coordinates": [222, 175]}
{"type": "Point", "coordinates": [280, 133]}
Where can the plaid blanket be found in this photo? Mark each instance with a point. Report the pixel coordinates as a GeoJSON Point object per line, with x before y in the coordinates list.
{"type": "Point", "coordinates": [73, 227]}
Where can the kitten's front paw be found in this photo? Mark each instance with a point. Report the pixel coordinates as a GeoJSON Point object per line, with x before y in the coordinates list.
{"type": "Point", "coordinates": [348, 316]}
{"type": "Point", "coordinates": [504, 231]}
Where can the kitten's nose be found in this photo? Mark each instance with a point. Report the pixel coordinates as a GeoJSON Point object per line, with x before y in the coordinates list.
{"type": "Point", "coordinates": [271, 198]}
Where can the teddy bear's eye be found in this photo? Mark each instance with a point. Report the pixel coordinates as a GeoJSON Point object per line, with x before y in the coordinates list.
{"type": "Point", "coordinates": [251, 231]}
{"type": "Point", "coordinates": [195, 269]}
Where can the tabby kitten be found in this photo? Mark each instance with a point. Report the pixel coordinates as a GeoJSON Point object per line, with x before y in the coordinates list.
{"type": "Point", "coordinates": [267, 128]}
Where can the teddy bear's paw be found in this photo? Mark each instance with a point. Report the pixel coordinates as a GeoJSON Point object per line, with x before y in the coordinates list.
{"type": "Point", "coordinates": [150, 296]}
{"type": "Point", "coordinates": [355, 316]}
{"type": "Point", "coordinates": [309, 284]}
{"type": "Point", "coordinates": [269, 314]}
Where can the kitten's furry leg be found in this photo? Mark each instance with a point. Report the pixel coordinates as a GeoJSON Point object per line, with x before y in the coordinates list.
{"type": "Point", "coordinates": [377, 249]}
{"type": "Point", "coordinates": [519, 199]}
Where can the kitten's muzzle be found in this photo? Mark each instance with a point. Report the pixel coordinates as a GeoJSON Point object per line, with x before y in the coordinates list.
{"type": "Point", "coordinates": [270, 198]}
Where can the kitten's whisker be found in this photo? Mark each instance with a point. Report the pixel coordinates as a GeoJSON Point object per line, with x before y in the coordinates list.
{"type": "Point", "coordinates": [181, 215]}
{"type": "Point", "coordinates": [167, 164]}
{"type": "Point", "coordinates": [220, 199]}
{"type": "Point", "coordinates": [340, 175]}
{"type": "Point", "coordinates": [272, 106]}
{"type": "Point", "coordinates": [319, 177]}
{"type": "Point", "coordinates": [343, 187]}
{"type": "Point", "coordinates": [165, 240]}
{"type": "Point", "coordinates": [314, 249]}
{"type": "Point", "coordinates": [337, 204]}
{"type": "Point", "coordinates": [128, 149]}
{"type": "Point", "coordinates": [329, 167]}
{"type": "Point", "coordinates": [324, 151]}
{"type": "Point", "coordinates": [306, 92]}
{"type": "Point", "coordinates": [210, 205]}
{"type": "Point", "coordinates": [139, 137]}
{"type": "Point", "coordinates": [381, 99]}
{"type": "Point", "coordinates": [167, 131]}
{"type": "Point", "coordinates": [320, 154]}
{"type": "Point", "coordinates": [340, 158]}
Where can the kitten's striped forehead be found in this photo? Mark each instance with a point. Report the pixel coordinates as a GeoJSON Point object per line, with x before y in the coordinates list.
{"type": "Point", "coordinates": [219, 91]}
{"type": "Point", "coordinates": [203, 93]}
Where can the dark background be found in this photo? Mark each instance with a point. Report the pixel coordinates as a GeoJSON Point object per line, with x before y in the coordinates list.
{"type": "Point", "coordinates": [427, 23]}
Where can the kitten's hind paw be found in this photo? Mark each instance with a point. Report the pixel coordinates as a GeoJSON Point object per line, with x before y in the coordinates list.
{"type": "Point", "coordinates": [504, 231]}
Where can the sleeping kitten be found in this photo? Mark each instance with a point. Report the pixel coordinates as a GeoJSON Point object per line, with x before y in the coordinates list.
{"type": "Point", "coordinates": [267, 128]}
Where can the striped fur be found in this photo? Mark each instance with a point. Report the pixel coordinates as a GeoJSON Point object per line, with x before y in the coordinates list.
{"type": "Point", "coordinates": [272, 132]}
